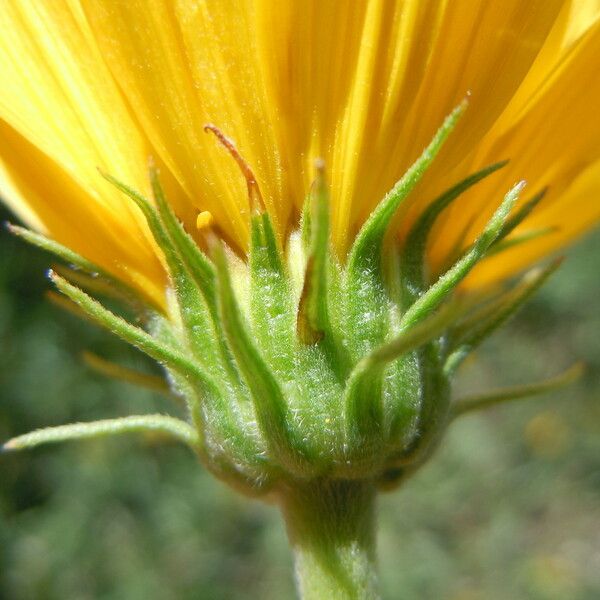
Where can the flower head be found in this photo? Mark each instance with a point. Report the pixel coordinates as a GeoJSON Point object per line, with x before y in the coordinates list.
{"type": "Point", "coordinates": [323, 177]}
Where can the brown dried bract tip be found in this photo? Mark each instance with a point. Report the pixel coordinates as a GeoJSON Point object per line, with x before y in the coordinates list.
{"type": "Point", "coordinates": [319, 180]}
{"type": "Point", "coordinates": [320, 174]}
{"type": "Point", "coordinates": [254, 195]}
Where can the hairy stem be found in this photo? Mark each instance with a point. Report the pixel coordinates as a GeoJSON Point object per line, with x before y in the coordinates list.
{"type": "Point", "coordinates": [331, 527]}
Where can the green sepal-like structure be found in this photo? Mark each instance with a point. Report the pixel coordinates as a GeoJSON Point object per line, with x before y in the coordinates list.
{"type": "Point", "coordinates": [306, 377]}
{"type": "Point", "coordinates": [299, 365]}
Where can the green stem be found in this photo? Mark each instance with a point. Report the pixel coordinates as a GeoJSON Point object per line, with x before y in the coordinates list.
{"type": "Point", "coordinates": [331, 526]}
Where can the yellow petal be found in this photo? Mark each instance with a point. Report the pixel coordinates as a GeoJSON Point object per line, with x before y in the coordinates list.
{"type": "Point", "coordinates": [64, 118]}
{"type": "Point", "coordinates": [183, 65]}
{"type": "Point", "coordinates": [106, 83]}
{"type": "Point", "coordinates": [551, 141]}
{"type": "Point", "coordinates": [580, 200]}
{"type": "Point", "coordinates": [366, 84]}
{"type": "Point", "coordinates": [58, 206]}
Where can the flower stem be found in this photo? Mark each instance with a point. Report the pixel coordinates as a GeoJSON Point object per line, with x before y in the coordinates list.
{"type": "Point", "coordinates": [331, 527]}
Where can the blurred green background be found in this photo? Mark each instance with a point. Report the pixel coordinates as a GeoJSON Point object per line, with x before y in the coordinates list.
{"type": "Point", "coordinates": [509, 508]}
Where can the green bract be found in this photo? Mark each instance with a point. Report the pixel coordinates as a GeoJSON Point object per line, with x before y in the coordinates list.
{"type": "Point", "coordinates": [306, 377]}
{"type": "Point", "coordinates": [296, 366]}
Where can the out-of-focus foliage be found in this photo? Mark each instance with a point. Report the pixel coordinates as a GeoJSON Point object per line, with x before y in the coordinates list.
{"type": "Point", "coordinates": [509, 508]}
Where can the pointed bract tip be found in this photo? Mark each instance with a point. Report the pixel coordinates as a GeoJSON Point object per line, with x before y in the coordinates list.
{"type": "Point", "coordinates": [319, 185]}
{"type": "Point", "coordinates": [52, 275]}
{"type": "Point", "coordinates": [463, 104]}
{"type": "Point", "coordinates": [319, 181]}
{"type": "Point", "coordinates": [103, 173]}
{"type": "Point", "coordinates": [519, 186]}
{"type": "Point", "coordinates": [457, 112]}
{"type": "Point", "coordinates": [154, 176]}
{"type": "Point", "coordinates": [9, 446]}
{"type": "Point", "coordinates": [108, 177]}
{"type": "Point", "coordinates": [15, 229]}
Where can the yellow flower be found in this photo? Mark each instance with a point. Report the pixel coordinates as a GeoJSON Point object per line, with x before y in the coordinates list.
{"type": "Point", "coordinates": [362, 84]}
{"type": "Point", "coordinates": [311, 382]}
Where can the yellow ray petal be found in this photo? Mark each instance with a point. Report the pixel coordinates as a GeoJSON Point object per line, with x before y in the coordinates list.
{"type": "Point", "coordinates": [373, 80]}
{"type": "Point", "coordinates": [577, 210]}
{"type": "Point", "coordinates": [566, 114]}
{"type": "Point", "coordinates": [59, 95]}
{"type": "Point", "coordinates": [59, 98]}
{"type": "Point", "coordinates": [57, 205]}
{"type": "Point", "coordinates": [363, 84]}
{"type": "Point", "coordinates": [574, 21]}
{"type": "Point", "coordinates": [182, 65]}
